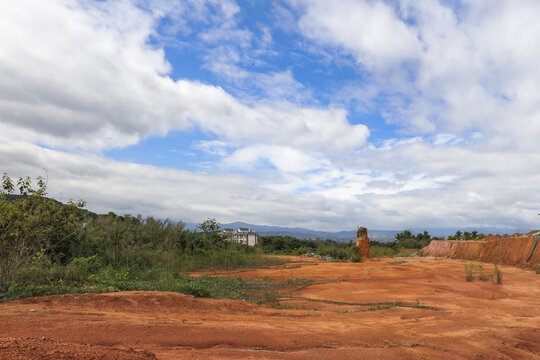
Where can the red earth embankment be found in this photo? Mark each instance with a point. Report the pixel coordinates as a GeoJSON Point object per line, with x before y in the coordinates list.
{"type": "Point", "coordinates": [511, 250]}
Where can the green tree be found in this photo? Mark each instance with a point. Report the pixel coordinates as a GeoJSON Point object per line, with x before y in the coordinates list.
{"type": "Point", "coordinates": [211, 236]}
{"type": "Point", "coordinates": [404, 236]}
{"type": "Point", "coordinates": [209, 226]}
{"type": "Point", "coordinates": [30, 224]}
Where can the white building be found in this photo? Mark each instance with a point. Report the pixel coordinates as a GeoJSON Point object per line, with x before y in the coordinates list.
{"type": "Point", "coordinates": [242, 236]}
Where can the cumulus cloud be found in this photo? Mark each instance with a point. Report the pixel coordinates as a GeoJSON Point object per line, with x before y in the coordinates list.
{"type": "Point", "coordinates": [371, 30]}
{"type": "Point", "coordinates": [167, 193]}
{"type": "Point", "coordinates": [365, 198]}
{"type": "Point", "coordinates": [85, 75]}
{"type": "Point", "coordinates": [454, 70]}
{"type": "Point", "coordinates": [461, 85]}
{"type": "Point", "coordinates": [283, 158]}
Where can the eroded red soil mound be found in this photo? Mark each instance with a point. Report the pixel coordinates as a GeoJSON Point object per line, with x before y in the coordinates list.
{"type": "Point", "coordinates": [510, 250]}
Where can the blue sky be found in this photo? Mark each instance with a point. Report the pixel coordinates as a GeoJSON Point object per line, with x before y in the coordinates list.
{"type": "Point", "coordinates": [284, 50]}
{"type": "Point", "coordinates": [328, 115]}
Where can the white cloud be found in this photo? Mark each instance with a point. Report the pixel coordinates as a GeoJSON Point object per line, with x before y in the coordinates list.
{"type": "Point", "coordinates": [84, 76]}
{"type": "Point", "coordinates": [475, 70]}
{"type": "Point", "coordinates": [212, 147]}
{"type": "Point", "coordinates": [377, 38]}
{"type": "Point", "coordinates": [284, 158]}
{"type": "Point", "coordinates": [389, 200]}
{"type": "Point", "coordinates": [167, 193]}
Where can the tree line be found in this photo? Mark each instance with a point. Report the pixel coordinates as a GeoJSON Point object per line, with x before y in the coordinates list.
{"type": "Point", "coordinates": [45, 245]}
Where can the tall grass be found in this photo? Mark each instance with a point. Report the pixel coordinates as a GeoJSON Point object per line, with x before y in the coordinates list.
{"type": "Point", "coordinates": [226, 259]}
{"type": "Point", "coordinates": [379, 251]}
{"type": "Point", "coordinates": [469, 271]}
{"type": "Point", "coordinates": [471, 274]}
{"type": "Point", "coordinates": [497, 274]}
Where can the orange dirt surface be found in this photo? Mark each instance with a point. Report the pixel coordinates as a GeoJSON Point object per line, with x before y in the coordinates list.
{"type": "Point", "coordinates": [509, 250]}
{"type": "Point", "coordinates": [426, 311]}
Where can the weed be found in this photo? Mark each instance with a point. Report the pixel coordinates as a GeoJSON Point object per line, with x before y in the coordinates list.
{"type": "Point", "coordinates": [412, 343]}
{"type": "Point", "coordinates": [469, 271]}
{"type": "Point", "coordinates": [378, 251]}
{"type": "Point", "coordinates": [388, 342]}
{"type": "Point", "coordinates": [405, 252]}
{"type": "Point", "coordinates": [497, 274]}
{"type": "Point", "coordinates": [270, 296]}
{"type": "Point", "coordinates": [481, 275]}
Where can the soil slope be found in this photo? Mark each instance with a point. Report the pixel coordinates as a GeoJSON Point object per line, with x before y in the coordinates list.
{"type": "Point", "coordinates": [379, 309]}
{"type": "Point", "coordinates": [510, 250]}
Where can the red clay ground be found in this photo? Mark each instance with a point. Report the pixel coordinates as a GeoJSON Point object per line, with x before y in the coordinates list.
{"type": "Point", "coordinates": [444, 317]}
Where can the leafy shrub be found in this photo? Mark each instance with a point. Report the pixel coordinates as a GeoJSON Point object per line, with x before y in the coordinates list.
{"type": "Point", "coordinates": [270, 296]}
{"type": "Point", "coordinates": [31, 223]}
{"type": "Point", "coordinates": [80, 269]}
{"type": "Point", "coordinates": [194, 289]}
{"type": "Point", "coordinates": [378, 251]}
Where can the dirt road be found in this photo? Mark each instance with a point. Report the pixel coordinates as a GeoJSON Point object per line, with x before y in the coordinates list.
{"type": "Point", "coordinates": [380, 309]}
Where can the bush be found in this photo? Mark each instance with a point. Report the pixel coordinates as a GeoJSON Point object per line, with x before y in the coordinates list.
{"type": "Point", "coordinates": [194, 289]}
{"type": "Point", "coordinates": [286, 245]}
{"type": "Point", "coordinates": [32, 224]}
{"type": "Point", "coordinates": [270, 296]}
{"type": "Point", "coordinates": [378, 251]}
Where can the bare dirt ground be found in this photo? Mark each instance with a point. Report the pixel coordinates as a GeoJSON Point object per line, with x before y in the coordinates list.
{"type": "Point", "coordinates": [379, 309]}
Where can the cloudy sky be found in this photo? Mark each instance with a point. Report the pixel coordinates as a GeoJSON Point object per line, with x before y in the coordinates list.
{"type": "Point", "coordinates": [320, 114]}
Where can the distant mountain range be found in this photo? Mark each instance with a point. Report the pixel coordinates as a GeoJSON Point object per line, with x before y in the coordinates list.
{"type": "Point", "coordinates": [347, 235]}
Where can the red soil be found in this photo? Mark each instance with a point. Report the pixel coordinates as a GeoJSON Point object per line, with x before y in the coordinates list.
{"type": "Point", "coordinates": [510, 250]}
{"type": "Point", "coordinates": [440, 316]}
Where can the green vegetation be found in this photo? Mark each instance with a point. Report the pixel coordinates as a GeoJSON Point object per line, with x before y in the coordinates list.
{"type": "Point", "coordinates": [288, 245]}
{"type": "Point", "coordinates": [50, 248]}
{"type": "Point", "coordinates": [469, 272]}
{"type": "Point", "coordinates": [473, 272]}
{"type": "Point", "coordinates": [404, 244]}
{"type": "Point", "coordinates": [497, 274]}
{"type": "Point", "coordinates": [466, 235]}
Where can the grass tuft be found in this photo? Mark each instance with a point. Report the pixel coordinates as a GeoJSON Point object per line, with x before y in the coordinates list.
{"type": "Point", "coordinates": [469, 271]}
{"type": "Point", "coordinates": [497, 274]}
